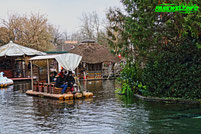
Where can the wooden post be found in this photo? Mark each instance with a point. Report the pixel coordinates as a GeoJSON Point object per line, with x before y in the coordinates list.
{"type": "Point", "coordinates": [31, 75]}
{"type": "Point", "coordinates": [48, 71]}
{"type": "Point", "coordinates": [77, 71]}
{"type": "Point", "coordinates": [102, 70]}
{"type": "Point", "coordinates": [57, 67]}
{"type": "Point", "coordinates": [21, 67]}
{"type": "Point", "coordinates": [114, 70]}
{"type": "Point", "coordinates": [25, 67]}
{"type": "Point", "coordinates": [38, 73]}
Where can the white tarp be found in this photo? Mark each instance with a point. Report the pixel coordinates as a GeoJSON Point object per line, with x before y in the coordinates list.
{"type": "Point", "coordinates": [12, 49]}
{"type": "Point", "coordinates": [45, 57]}
{"type": "Point", "coordinates": [68, 61]}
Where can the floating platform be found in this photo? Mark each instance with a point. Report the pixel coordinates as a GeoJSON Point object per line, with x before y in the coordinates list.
{"type": "Point", "coordinates": [66, 96]}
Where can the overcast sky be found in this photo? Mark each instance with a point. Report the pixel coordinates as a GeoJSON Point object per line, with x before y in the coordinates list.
{"type": "Point", "coordinates": [64, 13]}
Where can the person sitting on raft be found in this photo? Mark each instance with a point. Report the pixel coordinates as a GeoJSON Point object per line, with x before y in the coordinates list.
{"type": "Point", "coordinates": [60, 82]}
{"type": "Point", "coordinates": [70, 81]}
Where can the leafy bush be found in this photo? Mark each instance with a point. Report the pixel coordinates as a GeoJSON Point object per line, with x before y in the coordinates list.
{"type": "Point", "coordinates": [175, 73]}
{"type": "Point", "coordinates": [129, 78]}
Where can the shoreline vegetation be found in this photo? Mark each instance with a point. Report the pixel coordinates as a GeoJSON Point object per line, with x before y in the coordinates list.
{"type": "Point", "coordinates": [168, 100]}
{"type": "Point", "coordinates": [162, 51]}
{"type": "Point", "coordinates": [147, 98]}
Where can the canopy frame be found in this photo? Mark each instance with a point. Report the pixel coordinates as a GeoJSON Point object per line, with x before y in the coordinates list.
{"type": "Point", "coordinates": [47, 58]}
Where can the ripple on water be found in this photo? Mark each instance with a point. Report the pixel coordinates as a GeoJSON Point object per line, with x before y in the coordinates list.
{"type": "Point", "coordinates": [105, 113]}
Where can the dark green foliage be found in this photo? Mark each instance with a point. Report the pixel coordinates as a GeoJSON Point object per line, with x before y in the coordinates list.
{"type": "Point", "coordinates": [175, 73]}
{"type": "Point", "coordinates": [164, 50]}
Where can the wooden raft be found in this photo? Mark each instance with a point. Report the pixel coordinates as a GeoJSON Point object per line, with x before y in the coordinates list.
{"type": "Point", "coordinates": [67, 96]}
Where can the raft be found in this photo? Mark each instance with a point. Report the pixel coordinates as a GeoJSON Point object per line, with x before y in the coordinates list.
{"type": "Point", "coordinates": [50, 91]}
{"type": "Point", "coordinates": [66, 96]}
{"type": "Point", "coordinates": [69, 62]}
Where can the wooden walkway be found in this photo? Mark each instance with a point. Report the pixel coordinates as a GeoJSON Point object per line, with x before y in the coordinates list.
{"type": "Point", "coordinates": [20, 79]}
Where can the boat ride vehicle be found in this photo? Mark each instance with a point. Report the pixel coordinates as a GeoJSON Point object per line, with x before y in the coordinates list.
{"type": "Point", "coordinates": [48, 89]}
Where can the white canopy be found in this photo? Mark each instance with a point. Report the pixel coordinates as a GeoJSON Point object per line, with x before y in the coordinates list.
{"type": "Point", "coordinates": [45, 57]}
{"type": "Point", "coordinates": [68, 61]}
{"type": "Point", "coordinates": [12, 49]}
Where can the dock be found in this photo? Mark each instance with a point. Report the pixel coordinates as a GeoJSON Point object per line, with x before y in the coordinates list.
{"type": "Point", "coordinates": [20, 79]}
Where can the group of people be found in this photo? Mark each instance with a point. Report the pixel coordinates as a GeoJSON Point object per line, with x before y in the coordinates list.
{"type": "Point", "coordinates": [63, 80]}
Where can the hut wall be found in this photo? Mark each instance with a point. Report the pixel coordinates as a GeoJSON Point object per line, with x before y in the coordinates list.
{"type": "Point", "coordinates": [15, 67]}
{"type": "Point", "coordinates": [94, 71]}
{"type": "Point", "coordinates": [97, 71]}
{"type": "Point", "coordinates": [8, 73]}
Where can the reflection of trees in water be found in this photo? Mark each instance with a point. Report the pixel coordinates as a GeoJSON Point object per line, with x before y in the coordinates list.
{"type": "Point", "coordinates": [48, 113]}
{"type": "Point", "coordinates": [5, 94]}
{"type": "Point", "coordinates": [53, 114]}
{"type": "Point", "coordinates": [90, 85]}
{"type": "Point", "coordinates": [22, 87]}
{"type": "Point", "coordinates": [97, 85]}
{"type": "Point", "coordinates": [108, 84]}
{"type": "Point", "coordinates": [134, 117]}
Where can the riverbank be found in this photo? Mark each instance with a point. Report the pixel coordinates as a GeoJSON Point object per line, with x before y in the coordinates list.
{"type": "Point", "coordinates": [167, 100]}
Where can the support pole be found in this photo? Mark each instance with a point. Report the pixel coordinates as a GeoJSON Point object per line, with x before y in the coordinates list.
{"type": "Point", "coordinates": [48, 71]}
{"type": "Point", "coordinates": [77, 71]}
{"type": "Point", "coordinates": [22, 69]}
{"type": "Point", "coordinates": [31, 75]}
{"type": "Point", "coordinates": [25, 71]}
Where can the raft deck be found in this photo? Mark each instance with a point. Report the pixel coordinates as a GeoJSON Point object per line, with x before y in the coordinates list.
{"type": "Point", "coordinates": [67, 96]}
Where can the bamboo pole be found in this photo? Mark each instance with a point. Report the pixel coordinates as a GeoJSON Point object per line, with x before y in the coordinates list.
{"type": "Point", "coordinates": [31, 75]}
{"type": "Point", "coordinates": [48, 71]}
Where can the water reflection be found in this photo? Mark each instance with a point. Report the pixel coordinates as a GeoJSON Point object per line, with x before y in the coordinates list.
{"type": "Point", "coordinates": [4, 92]}
{"type": "Point", "coordinates": [105, 113]}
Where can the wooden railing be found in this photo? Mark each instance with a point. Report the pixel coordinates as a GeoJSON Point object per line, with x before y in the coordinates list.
{"type": "Point", "coordinates": [43, 87]}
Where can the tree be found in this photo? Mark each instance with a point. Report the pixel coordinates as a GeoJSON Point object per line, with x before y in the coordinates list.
{"type": "Point", "coordinates": [58, 38]}
{"type": "Point", "coordinates": [118, 39]}
{"type": "Point", "coordinates": [148, 32]}
{"type": "Point", "coordinates": [33, 31]}
{"type": "Point", "coordinates": [92, 28]}
{"type": "Point", "coordinates": [90, 25]}
{"type": "Point", "coordinates": [151, 32]}
{"type": "Point", "coordinates": [155, 35]}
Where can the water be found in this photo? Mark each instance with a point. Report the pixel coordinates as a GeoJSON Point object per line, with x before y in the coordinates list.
{"type": "Point", "coordinates": [106, 113]}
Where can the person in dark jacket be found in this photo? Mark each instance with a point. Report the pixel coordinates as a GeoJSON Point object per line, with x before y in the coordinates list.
{"type": "Point", "coordinates": [60, 82]}
{"type": "Point", "coordinates": [70, 81]}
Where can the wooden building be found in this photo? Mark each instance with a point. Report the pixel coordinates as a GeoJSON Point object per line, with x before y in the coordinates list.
{"type": "Point", "coordinates": [14, 60]}
{"type": "Point", "coordinates": [97, 61]}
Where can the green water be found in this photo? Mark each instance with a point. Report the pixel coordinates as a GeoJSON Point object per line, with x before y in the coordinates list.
{"type": "Point", "coordinates": [106, 113]}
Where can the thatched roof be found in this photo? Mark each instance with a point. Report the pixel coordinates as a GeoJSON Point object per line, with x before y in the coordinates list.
{"type": "Point", "coordinates": [94, 53]}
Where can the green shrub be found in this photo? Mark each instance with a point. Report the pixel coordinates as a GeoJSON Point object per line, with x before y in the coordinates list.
{"type": "Point", "coordinates": [130, 78]}
{"type": "Point", "coordinates": [175, 73]}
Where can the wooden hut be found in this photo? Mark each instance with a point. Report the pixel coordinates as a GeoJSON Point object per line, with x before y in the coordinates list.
{"type": "Point", "coordinates": [97, 61]}
{"type": "Point", "coordinates": [14, 60]}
